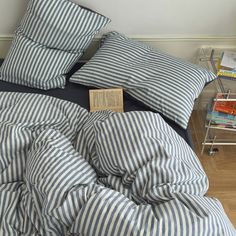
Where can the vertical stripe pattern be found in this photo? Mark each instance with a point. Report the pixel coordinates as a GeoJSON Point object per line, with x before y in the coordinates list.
{"type": "Point", "coordinates": [66, 172]}
{"type": "Point", "coordinates": [164, 83]}
{"type": "Point", "coordinates": [132, 145]}
{"type": "Point", "coordinates": [48, 41]}
{"type": "Point", "coordinates": [61, 24]}
{"type": "Point", "coordinates": [32, 64]}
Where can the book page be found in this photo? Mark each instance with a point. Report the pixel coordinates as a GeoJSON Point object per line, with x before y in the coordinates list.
{"type": "Point", "coordinates": [106, 99]}
{"type": "Point", "coordinates": [229, 60]}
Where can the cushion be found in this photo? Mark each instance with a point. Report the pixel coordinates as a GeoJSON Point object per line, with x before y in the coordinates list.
{"type": "Point", "coordinates": [35, 65]}
{"type": "Point", "coordinates": [50, 38]}
{"type": "Point", "coordinates": [164, 83]}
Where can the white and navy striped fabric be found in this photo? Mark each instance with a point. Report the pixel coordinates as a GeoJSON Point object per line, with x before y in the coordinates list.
{"type": "Point", "coordinates": [61, 24]}
{"type": "Point", "coordinates": [164, 83]}
{"type": "Point", "coordinates": [48, 41]}
{"type": "Point", "coordinates": [38, 161]}
{"type": "Point", "coordinates": [132, 145]}
{"type": "Point", "coordinates": [48, 188]}
{"type": "Point", "coordinates": [34, 65]}
{"type": "Point", "coordinates": [140, 156]}
{"type": "Point", "coordinates": [105, 212]}
{"type": "Point", "coordinates": [85, 143]}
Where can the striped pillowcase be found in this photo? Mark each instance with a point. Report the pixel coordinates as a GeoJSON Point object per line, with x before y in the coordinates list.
{"type": "Point", "coordinates": [61, 24]}
{"type": "Point", "coordinates": [35, 65]}
{"type": "Point", "coordinates": [49, 40]}
{"type": "Point", "coordinates": [164, 83]}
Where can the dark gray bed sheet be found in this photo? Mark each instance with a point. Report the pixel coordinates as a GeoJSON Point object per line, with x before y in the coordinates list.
{"type": "Point", "coordinates": [80, 95]}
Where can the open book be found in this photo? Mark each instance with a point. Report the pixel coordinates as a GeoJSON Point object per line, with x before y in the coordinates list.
{"type": "Point", "coordinates": [106, 99]}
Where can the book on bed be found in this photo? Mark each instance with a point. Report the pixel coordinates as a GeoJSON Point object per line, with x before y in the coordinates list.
{"type": "Point", "coordinates": [106, 99]}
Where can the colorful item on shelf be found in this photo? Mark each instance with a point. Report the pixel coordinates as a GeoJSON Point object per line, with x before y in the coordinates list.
{"type": "Point", "coordinates": [220, 118]}
{"type": "Point", "coordinates": [228, 107]}
{"type": "Point", "coordinates": [227, 65]}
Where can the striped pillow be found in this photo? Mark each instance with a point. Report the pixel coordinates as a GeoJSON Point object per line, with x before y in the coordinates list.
{"type": "Point", "coordinates": [164, 83]}
{"type": "Point", "coordinates": [35, 65]}
{"type": "Point", "coordinates": [61, 24]}
{"type": "Point", "coordinates": [48, 41]}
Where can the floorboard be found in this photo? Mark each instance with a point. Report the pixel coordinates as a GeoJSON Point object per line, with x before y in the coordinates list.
{"type": "Point", "coordinates": [220, 168]}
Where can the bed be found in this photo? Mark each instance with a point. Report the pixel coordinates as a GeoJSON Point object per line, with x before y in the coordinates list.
{"type": "Point", "coordinates": [79, 94]}
{"type": "Point", "coordinates": [66, 171]}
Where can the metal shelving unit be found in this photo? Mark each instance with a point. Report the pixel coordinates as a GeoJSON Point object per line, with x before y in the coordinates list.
{"type": "Point", "coordinates": [211, 138]}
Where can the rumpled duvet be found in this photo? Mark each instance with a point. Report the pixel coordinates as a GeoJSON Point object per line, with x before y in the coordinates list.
{"type": "Point", "coordinates": [64, 171]}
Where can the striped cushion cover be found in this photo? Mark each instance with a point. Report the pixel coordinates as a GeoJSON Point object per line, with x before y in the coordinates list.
{"type": "Point", "coordinates": [35, 65]}
{"type": "Point", "coordinates": [61, 24]}
{"type": "Point", "coordinates": [48, 41]}
{"type": "Point", "coordinates": [166, 84]}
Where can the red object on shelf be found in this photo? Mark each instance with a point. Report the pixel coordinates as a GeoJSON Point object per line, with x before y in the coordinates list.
{"type": "Point", "coordinates": [228, 107]}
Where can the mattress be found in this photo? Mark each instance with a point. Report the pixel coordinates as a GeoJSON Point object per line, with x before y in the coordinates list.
{"type": "Point", "coordinates": [79, 94]}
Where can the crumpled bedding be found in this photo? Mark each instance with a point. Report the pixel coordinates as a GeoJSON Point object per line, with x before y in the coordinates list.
{"type": "Point", "coordinates": [61, 173]}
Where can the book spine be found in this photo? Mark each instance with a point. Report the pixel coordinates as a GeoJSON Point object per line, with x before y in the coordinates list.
{"type": "Point", "coordinates": [223, 122]}
{"type": "Point", "coordinates": [224, 126]}
{"type": "Point", "coordinates": [227, 73]}
{"type": "Point", "coordinates": [224, 117]}
{"type": "Point", "coordinates": [227, 77]}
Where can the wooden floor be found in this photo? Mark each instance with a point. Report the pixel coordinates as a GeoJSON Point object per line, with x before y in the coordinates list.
{"type": "Point", "coordinates": [220, 168]}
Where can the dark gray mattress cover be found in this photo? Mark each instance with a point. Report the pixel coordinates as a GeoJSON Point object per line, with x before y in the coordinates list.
{"type": "Point", "coordinates": [80, 94]}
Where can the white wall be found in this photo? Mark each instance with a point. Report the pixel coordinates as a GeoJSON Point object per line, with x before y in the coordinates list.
{"type": "Point", "coordinates": [10, 13]}
{"type": "Point", "coordinates": [169, 17]}
{"type": "Point", "coordinates": [179, 27]}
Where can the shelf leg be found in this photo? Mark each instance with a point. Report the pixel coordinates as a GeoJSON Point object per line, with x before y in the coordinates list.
{"type": "Point", "coordinates": [205, 139]}
{"type": "Point", "coordinates": [212, 150]}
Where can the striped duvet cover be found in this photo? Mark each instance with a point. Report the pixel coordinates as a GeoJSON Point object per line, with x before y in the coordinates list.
{"type": "Point", "coordinates": [62, 173]}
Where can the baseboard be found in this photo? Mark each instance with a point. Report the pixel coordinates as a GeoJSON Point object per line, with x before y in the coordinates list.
{"type": "Point", "coordinates": [5, 42]}
{"type": "Point", "coordinates": [185, 47]}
